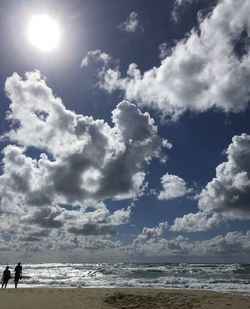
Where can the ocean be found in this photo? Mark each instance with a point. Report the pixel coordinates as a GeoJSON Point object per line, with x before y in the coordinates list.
{"type": "Point", "coordinates": [217, 277]}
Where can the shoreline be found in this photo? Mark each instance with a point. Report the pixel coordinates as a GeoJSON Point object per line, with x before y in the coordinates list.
{"type": "Point", "coordinates": [107, 298]}
{"type": "Point", "coordinates": [24, 287]}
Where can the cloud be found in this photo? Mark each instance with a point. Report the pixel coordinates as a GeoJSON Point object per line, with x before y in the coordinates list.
{"type": "Point", "coordinates": [92, 229]}
{"type": "Point", "coordinates": [173, 187]}
{"type": "Point", "coordinates": [228, 193]}
{"type": "Point", "coordinates": [45, 217]}
{"type": "Point", "coordinates": [35, 236]}
{"type": "Point", "coordinates": [179, 5]}
{"type": "Point", "coordinates": [153, 233]}
{"type": "Point", "coordinates": [94, 56]}
{"type": "Point", "coordinates": [80, 158]}
{"type": "Point", "coordinates": [164, 50]}
{"type": "Point", "coordinates": [131, 24]}
{"type": "Point", "coordinates": [204, 71]}
{"type": "Point", "coordinates": [97, 222]}
{"type": "Point", "coordinates": [100, 244]}
{"type": "Point", "coordinates": [225, 197]}
{"type": "Point", "coordinates": [59, 166]}
{"type": "Point", "coordinates": [232, 243]}
{"type": "Point", "coordinates": [196, 222]}
{"type": "Point", "coordinates": [56, 228]}
{"type": "Point", "coordinates": [182, 3]}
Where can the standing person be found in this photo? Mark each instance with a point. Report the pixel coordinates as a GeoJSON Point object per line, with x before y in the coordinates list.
{"type": "Point", "coordinates": [6, 277]}
{"type": "Point", "coordinates": [18, 274]}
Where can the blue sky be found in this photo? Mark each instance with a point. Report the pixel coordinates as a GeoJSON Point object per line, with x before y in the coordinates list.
{"type": "Point", "coordinates": [130, 140]}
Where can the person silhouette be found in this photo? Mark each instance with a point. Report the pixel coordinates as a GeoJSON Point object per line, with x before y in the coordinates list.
{"type": "Point", "coordinates": [18, 274]}
{"type": "Point", "coordinates": [6, 277]}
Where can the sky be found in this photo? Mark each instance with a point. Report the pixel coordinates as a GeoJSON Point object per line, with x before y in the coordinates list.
{"type": "Point", "coordinates": [124, 131]}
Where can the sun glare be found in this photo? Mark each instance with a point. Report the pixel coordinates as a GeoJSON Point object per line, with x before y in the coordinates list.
{"type": "Point", "coordinates": [43, 32]}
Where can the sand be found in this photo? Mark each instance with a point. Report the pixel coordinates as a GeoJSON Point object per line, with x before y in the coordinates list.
{"type": "Point", "coordinates": [102, 298]}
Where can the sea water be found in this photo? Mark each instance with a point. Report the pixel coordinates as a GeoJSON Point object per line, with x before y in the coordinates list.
{"type": "Point", "coordinates": [217, 277]}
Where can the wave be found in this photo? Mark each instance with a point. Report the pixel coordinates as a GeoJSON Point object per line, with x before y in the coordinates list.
{"type": "Point", "coordinates": [219, 277]}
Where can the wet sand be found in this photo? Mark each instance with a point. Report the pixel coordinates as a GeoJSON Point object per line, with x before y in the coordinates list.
{"type": "Point", "coordinates": [104, 298]}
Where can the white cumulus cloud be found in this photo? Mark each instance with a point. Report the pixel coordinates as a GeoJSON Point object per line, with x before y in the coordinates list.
{"type": "Point", "coordinates": [173, 187]}
{"type": "Point", "coordinates": [226, 196]}
{"type": "Point", "coordinates": [90, 158]}
{"type": "Point", "coordinates": [203, 71]}
{"type": "Point", "coordinates": [56, 191]}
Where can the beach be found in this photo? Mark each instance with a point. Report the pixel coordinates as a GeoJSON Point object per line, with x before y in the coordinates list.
{"type": "Point", "coordinates": [104, 298]}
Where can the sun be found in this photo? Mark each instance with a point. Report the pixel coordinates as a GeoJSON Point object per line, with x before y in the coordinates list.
{"type": "Point", "coordinates": [43, 32]}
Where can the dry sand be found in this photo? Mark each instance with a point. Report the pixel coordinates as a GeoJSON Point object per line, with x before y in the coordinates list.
{"type": "Point", "coordinates": [100, 298]}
